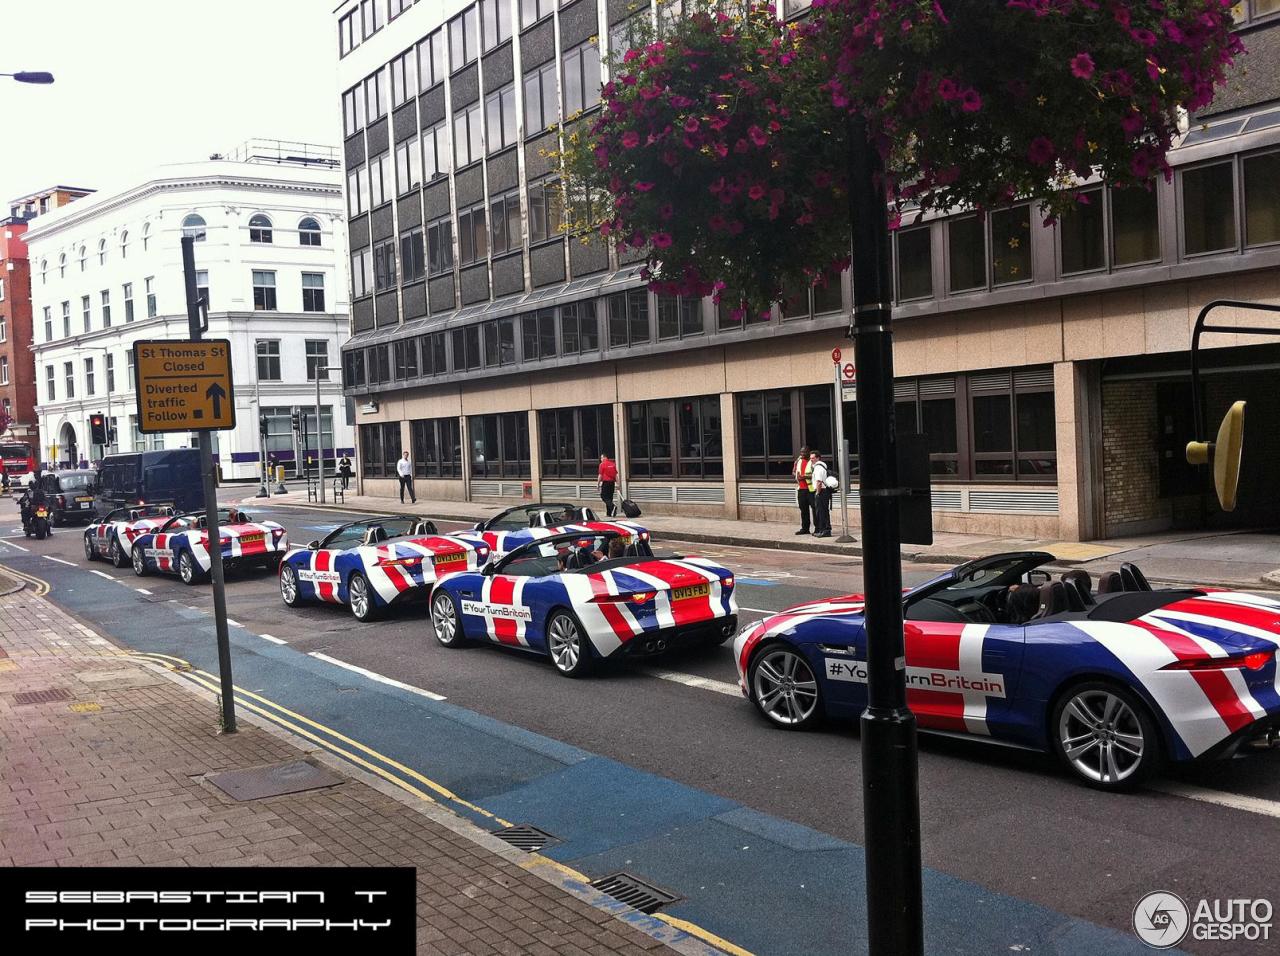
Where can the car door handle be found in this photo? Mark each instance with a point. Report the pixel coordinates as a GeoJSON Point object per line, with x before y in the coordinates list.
{"type": "Point", "coordinates": [467, 593]}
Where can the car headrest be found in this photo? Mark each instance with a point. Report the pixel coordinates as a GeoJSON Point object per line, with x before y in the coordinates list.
{"type": "Point", "coordinates": [376, 533]}
{"type": "Point", "coordinates": [1132, 578]}
{"type": "Point", "coordinates": [1079, 583]}
{"type": "Point", "coordinates": [1022, 602]}
{"type": "Point", "coordinates": [1053, 599]}
{"type": "Point", "coordinates": [1110, 583]}
{"type": "Point", "coordinates": [426, 527]}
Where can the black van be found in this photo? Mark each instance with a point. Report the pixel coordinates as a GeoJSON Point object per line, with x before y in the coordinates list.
{"type": "Point", "coordinates": [170, 477]}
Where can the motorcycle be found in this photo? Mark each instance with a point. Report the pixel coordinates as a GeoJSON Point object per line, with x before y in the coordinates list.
{"type": "Point", "coordinates": [38, 522]}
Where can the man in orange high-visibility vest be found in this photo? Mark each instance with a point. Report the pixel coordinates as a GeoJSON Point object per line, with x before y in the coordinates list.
{"type": "Point", "coordinates": [802, 472]}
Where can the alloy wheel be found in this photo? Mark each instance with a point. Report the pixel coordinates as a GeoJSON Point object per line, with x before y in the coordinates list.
{"type": "Point", "coordinates": [139, 562]}
{"type": "Point", "coordinates": [89, 553]}
{"type": "Point", "coordinates": [444, 618]}
{"type": "Point", "coordinates": [785, 689]}
{"type": "Point", "coordinates": [359, 595]}
{"type": "Point", "coordinates": [565, 643]}
{"type": "Point", "coordinates": [289, 585]}
{"type": "Point", "coordinates": [1101, 736]}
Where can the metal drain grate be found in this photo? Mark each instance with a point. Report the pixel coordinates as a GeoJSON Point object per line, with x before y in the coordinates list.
{"type": "Point", "coordinates": [635, 892]}
{"type": "Point", "coordinates": [527, 838]}
{"type": "Point", "coordinates": [42, 696]}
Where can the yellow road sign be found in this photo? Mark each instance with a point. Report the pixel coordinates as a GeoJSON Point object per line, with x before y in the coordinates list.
{"type": "Point", "coordinates": [183, 386]}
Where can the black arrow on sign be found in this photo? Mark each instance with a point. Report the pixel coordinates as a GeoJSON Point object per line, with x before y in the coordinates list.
{"type": "Point", "coordinates": [216, 393]}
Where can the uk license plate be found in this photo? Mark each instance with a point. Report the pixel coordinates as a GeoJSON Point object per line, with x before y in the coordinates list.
{"type": "Point", "coordinates": [250, 538]}
{"type": "Point", "coordinates": [83, 500]}
{"type": "Point", "coordinates": [692, 591]}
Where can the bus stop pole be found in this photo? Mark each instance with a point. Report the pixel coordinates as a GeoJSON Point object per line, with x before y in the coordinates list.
{"type": "Point", "coordinates": [196, 324]}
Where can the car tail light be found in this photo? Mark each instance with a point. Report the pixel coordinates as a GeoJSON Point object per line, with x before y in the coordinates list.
{"type": "Point", "coordinates": [635, 597]}
{"type": "Point", "coordinates": [223, 540]}
{"type": "Point", "coordinates": [726, 583]}
{"type": "Point", "coordinates": [400, 562]}
{"type": "Point", "coordinates": [1253, 661]}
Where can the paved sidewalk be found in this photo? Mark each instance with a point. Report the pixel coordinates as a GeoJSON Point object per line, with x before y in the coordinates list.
{"type": "Point", "coordinates": [113, 774]}
{"type": "Point", "coordinates": [1228, 559]}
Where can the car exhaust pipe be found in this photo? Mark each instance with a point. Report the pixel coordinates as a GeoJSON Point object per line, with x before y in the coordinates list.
{"type": "Point", "coordinates": [662, 645]}
{"type": "Point", "coordinates": [648, 646]}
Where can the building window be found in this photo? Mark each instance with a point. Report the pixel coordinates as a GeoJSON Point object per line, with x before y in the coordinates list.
{"type": "Point", "coordinates": [384, 265]}
{"type": "Point", "coordinates": [353, 110]}
{"type": "Point", "coordinates": [128, 360]}
{"type": "Point", "coordinates": [828, 295]}
{"type": "Point", "coordinates": [146, 235]}
{"type": "Point", "coordinates": [463, 39]}
{"type": "Point", "coordinates": [4, 328]}
{"type": "Point", "coordinates": [437, 448]}
{"type": "Point", "coordinates": [308, 232]}
{"type": "Point", "coordinates": [435, 357]}
{"type": "Point", "coordinates": [83, 258]}
{"type": "Point", "coordinates": [408, 166]}
{"type": "Point", "coordinates": [106, 309]}
{"type": "Point", "coordinates": [531, 11]}
{"type": "Point", "coordinates": [259, 228]}
{"type": "Point", "coordinates": [698, 450]}
{"type": "Point", "coordinates": [431, 65]}
{"type": "Point", "coordinates": [1012, 425]}
{"type": "Point", "coordinates": [313, 292]}
{"type": "Point", "coordinates": [148, 285]}
{"type": "Point", "coordinates": [495, 22]}
{"type": "Point", "coordinates": [124, 243]}
{"type": "Point", "coordinates": [579, 328]}
{"type": "Point", "coordinates": [268, 353]}
{"type": "Point", "coordinates": [373, 104]}
{"type": "Point", "coordinates": [405, 357]}
{"type": "Point", "coordinates": [435, 152]}
{"type": "Point", "coordinates": [48, 324]}
{"type": "Point", "coordinates": [500, 110]}
{"type": "Point", "coordinates": [628, 318]}
{"type": "Point", "coordinates": [379, 180]}
{"type": "Point", "coordinates": [349, 32]}
{"type": "Point", "coordinates": [731, 315]}
{"type": "Point", "coordinates": [44, 271]}
{"type": "Point", "coordinates": [361, 273]}
{"type": "Point", "coordinates": [317, 359]}
{"type": "Point", "coordinates": [84, 313]}
{"type": "Point", "coordinates": [1208, 208]}
{"type": "Point", "coordinates": [69, 378]}
{"type": "Point", "coordinates": [1081, 234]}
{"type": "Point", "coordinates": [1011, 245]}
{"type": "Point", "coordinates": [1261, 198]}
{"type": "Point", "coordinates": [499, 343]}
{"type": "Point", "coordinates": [378, 364]}
{"type": "Point", "coordinates": [573, 439]}
{"type": "Point", "coordinates": [4, 370]}
{"type": "Point", "coordinates": [1, 290]}
{"type": "Point", "coordinates": [540, 108]}
{"type": "Point", "coordinates": [1250, 11]}
{"type": "Point", "coordinates": [357, 191]}
{"type": "Point", "coordinates": [128, 301]}
{"type": "Point", "coordinates": [499, 445]}
{"type": "Point", "coordinates": [473, 236]}
{"type": "Point", "coordinates": [110, 362]}
{"type": "Point", "coordinates": [49, 383]}
{"type": "Point", "coordinates": [538, 332]}
{"type": "Point", "coordinates": [581, 79]}
{"type": "Point", "coordinates": [765, 438]}
{"type": "Point", "coordinates": [504, 222]}
{"type": "Point", "coordinates": [466, 348]}
{"type": "Point", "coordinates": [468, 136]}
{"type": "Point", "coordinates": [679, 317]}
{"type": "Point", "coordinates": [62, 266]}
{"type": "Point", "coordinates": [649, 439]}
{"type": "Point", "coordinates": [102, 252]}
{"type": "Point", "coordinates": [264, 291]}
{"type": "Point", "coordinates": [404, 78]}
{"type": "Point", "coordinates": [193, 226]}
{"type": "Point", "coordinates": [440, 246]}
{"type": "Point", "coordinates": [1135, 226]}
{"type": "Point", "coordinates": [915, 263]}
{"type": "Point", "coordinates": [66, 319]}
{"type": "Point", "coordinates": [412, 264]}
{"type": "Point", "coordinates": [88, 377]}
{"type": "Point", "coordinates": [379, 449]}
{"type": "Point", "coordinates": [546, 210]}
{"type": "Point", "coordinates": [353, 368]}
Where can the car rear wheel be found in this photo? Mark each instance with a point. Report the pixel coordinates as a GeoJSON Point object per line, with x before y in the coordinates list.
{"type": "Point", "coordinates": [360, 596]}
{"type": "Point", "coordinates": [139, 563]}
{"type": "Point", "coordinates": [567, 645]}
{"type": "Point", "coordinates": [445, 620]}
{"type": "Point", "coordinates": [1105, 736]}
{"type": "Point", "coordinates": [90, 553]}
{"type": "Point", "coordinates": [115, 555]}
{"type": "Point", "coordinates": [784, 688]}
{"type": "Point", "coordinates": [289, 585]}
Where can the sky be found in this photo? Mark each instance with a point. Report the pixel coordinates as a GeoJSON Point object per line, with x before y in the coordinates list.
{"type": "Point", "coordinates": [139, 83]}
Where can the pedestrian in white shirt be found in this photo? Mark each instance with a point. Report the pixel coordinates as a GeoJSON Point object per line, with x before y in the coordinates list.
{"type": "Point", "coordinates": [821, 496]}
{"type": "Point", "coordinates": [404, 468]}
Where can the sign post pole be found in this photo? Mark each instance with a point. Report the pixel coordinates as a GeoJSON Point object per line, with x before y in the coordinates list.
{"type": "Point", "coordinates": [842, 451]}
{"type": "Point", "coordinates": [211, 499]}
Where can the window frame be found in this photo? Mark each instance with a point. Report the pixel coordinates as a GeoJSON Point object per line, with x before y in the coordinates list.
{"type": "Point", "coordinates": [682, 305]}
{"type": "Point", "coordinates": [471, 118]}
{"type": "Point", "coordinates": [579, 465]}
{"type": "Point", "coordinates": [631, 298]}
{"type": "Point", "coordinates": [310, 235]}
{"type": "Point", "coordinates": [571, 317]}
{"type": "Point", "coordinates": [413, 256]}
{"type": "Point", "coordinates": [467, 38]}
{"type": "Point", "coordinates": [311, 301]}
{"type": "Point", "coordinates": [384, 265]}
{"type": "Point", "coordinates": [473, 224]}
{"type": "Point", "coordinates": [505, 100]}
{"type": "Point", "coordinates": [519, 466]}
{"type": "Point", "coordinates": [541, 75]}
{"type": "Point", "coordinates": [445, 436]}
{"type": "Point", "coordinates": [268, 350]}
{"type": "Point", "coordinates": [261, 229]}
{"type": "Point", "coordinates": [576, 60]}
{"type": "Point", "coordinates": [546, 206]}
{"type": "Point", "coordinates": [264, 290]}
{"type": "Point", "coordinates": [318, 360]}
{"type": "Point", "coordinates": [379, 449]}
{"type": "Point", "coordinates": [441, 231]}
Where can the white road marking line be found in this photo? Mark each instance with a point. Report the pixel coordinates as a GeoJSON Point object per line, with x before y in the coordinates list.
{"type": "Point", "coordinates": [142, 590]}
{"type": "Point", "coordinates": [101, 574]}
{"type": "Point", "coordinates": [273, 640]}
{"type": "Point", "coordinates": [1236, 801]}
{"type": "Point", "coordinates": [18, 546]}
{"type": "Point", "coordinates": [234, 623]}
{"type": "Point", "coordinates": [702, 683]}
{"type": "Point", "coordinates": [372, 675]}
{"type": "Point", "coordinates": [49, 557]}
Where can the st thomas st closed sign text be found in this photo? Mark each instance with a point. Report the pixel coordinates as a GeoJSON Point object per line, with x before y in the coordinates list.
{"type": "Point", "coordinates": [183, 386]}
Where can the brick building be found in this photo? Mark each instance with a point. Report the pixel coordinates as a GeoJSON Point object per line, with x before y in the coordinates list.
{"type": "Point", "coordinates": [1047, 366]}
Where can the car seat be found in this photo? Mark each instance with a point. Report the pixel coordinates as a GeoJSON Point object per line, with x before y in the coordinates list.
{"type": "Point", "coordinates": [1132, 578]}
{"type": "Point", "coordinates": [1021, 603]}
{"type": "Point", "coordinates": [1053, 600]}
{"type": "Point", "coordinates": [376, 534]}
{"type": "Point", "coordinates": [1080, 584]}
{"type": "Point", "coordinates": [426, 527]}
{"type": "Point", "coordinates": [1110, 583]}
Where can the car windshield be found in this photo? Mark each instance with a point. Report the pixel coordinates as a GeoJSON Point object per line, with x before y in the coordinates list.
{"type": "Point", "coordinates": [182, 523]}
{"type": "Point", "coordinates": [525, 516]}
{"type": "Point", "coordinates": [989, 575]}
{"type": "Point", "coordinates": [76, 482]}
{"type": "Point", "coordinates": [357, 534]}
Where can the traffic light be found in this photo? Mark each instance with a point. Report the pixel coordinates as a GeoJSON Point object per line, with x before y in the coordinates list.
{"type": "Point", "coordinates": [98, 429]}
{"type": "Point", "coordinates": [295, 421]}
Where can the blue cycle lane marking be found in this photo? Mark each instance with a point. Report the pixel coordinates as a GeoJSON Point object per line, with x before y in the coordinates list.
{"type": "Point", "coordinates": [767, 884]}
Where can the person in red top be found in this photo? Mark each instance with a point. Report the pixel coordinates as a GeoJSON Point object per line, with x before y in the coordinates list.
{"type": "Point", "coordinates": [606, 482]}
{"type": "Point", "coordinates": [802, 471]}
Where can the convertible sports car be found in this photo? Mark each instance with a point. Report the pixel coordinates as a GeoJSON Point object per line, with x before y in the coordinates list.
{"type": "Point", "coordinates": [510, 529]}
{"type": "Point", "coordinates": [374, 563]}
{"type": "Point", "coordinates": [112, 537]}
{"type": "Point", "coordinates": [1113, 683]}
{"type": "Point", "coordinates": [579, 596]}
{"type": "Point", "coordinates": [181, 545]}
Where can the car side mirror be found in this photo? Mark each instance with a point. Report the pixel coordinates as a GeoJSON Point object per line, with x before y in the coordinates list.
{"type": "Point", "coordinates": [1038, 577]}
{"type": "Point", "coordinates": [313, 545]}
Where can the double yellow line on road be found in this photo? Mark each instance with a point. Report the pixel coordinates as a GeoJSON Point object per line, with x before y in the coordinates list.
{"type": "Point", "coordinates": [39, 586]}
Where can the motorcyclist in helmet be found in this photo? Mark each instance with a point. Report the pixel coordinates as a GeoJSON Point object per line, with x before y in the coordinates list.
{"type": "Point", "coordinates": [33, 496]}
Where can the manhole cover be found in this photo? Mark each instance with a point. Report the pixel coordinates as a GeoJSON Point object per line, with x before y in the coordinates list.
{"type": "Point", "coordinates": [42, 696]}
{"type": "Point", "coordinates": [527, 838]}
{"type": "Point", "coordinates": [635, 892]}
{"type": "Point", "coordinates": [258, 782]}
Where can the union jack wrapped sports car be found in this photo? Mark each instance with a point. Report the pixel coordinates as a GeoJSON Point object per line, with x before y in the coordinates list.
{"type": "Point", "coordinates": [517, 526]}
{"type": "Point", "coordinates": [181, 545]}
{"type": "Point", "coordinates": [112, 537]}
{"type": "Point", "coordinates": [374, 563]}
{"type": "Point", "coordinates": [578, 597]}
{"type": "Point", "coordinates": [1113, 683]}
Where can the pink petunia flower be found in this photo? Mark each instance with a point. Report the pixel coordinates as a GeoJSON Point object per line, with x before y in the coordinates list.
{"type": "Point", "coordinates": [1082, 66]}
{"type": "Point", "coordinates": [758, 136]}
{"type": "Point", "coordinates": [661, 240]}
{"type": "Point", "coordinates": [643, 186]}
{"type": "Point", "coordinates": [630, 139]}
{"type": "Point", "coordinates": [756, 192]}
{"type": "Point", "coordinates": [1041, 151]}
{"type": "Point", "coordinates": [970, 101]}
{"type": "Point", "coordinates": [691, 124]}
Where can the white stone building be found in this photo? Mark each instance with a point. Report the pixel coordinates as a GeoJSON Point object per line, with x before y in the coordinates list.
{"type": "Point", "coordinates": [270, 251]}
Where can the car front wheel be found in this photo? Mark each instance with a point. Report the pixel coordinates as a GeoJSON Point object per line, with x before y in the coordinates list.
{"type": "Point", "coordinates": [1105, 736]}
{"type": "Point", "coordinates": [568, 646]}
{"type": "Point", "coordinates": [90, 554]}
{"type": "Point", "coordinates": [115, 555]}
{"type": "Point", "coordinates": [445, 620]}
{"type": "Point", "coordinates": [360, 596]}
{"type": "Point", "coordinates": [187, 570]}
{"type": "Point", "coordinates": [139, 563]}
{"type": "Point", "coordinates": [784, 688]}
{"type": "Point", "coordinates": [289, 585]}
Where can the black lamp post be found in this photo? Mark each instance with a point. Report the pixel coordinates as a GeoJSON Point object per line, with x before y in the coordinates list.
{"type": "Point", "coordinates": [27, 76]}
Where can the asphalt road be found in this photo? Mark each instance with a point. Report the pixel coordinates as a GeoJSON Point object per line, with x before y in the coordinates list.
{"type": "Point", "coordinates": [1006, 820]}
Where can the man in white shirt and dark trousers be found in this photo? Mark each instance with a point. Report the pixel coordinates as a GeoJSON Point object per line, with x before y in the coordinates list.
{"type": "Point", "coordinates": [404, 468]}
{"type": "Point", "coordinates": [821, 496]}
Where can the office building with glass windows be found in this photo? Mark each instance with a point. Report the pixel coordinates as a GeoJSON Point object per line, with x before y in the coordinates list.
{"type": "Point", "coordinates": [1047, 365]}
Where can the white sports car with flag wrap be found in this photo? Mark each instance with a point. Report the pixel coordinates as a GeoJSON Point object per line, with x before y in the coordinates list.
{"type": "Point", "coordinates": [181, 545]}
{"type": "Point", "coordinates": [112, 537]}
{"type": "Point", "coordinates": [514, 527]}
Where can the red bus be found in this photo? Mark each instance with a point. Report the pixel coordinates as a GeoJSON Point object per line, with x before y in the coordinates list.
{"type": "Point", "coordinates": [17, 458]}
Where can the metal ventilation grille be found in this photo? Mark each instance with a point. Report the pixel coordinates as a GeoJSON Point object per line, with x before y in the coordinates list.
{"type": "Point", "coordinates": [635, 892]}
{"type": "Point", "coordinates": [706, 494]}
{"type": "Point", "coordinates": [522, 836]}
{"type": "Point", "coordinates": [937, 386]}
{"type": "Point", "coordinates": [651, 493]}
{"type": "Point", "coordinates": [904, 390]}
{"type": "Point", "coordinates": [767, 495]}
{"type": "Point", "coordinates": [49, 696]}
{"type": "Point", "coordinates": [988, 381]}
{"type": "Point", "coordinates": [1030, 378]}
{"type": "Point", "coordinates": [946, 500]}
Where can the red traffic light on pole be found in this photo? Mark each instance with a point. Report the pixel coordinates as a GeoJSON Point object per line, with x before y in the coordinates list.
{"type": "Point", "coordinates": [98, 429]}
